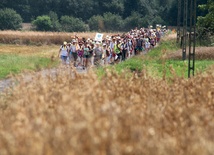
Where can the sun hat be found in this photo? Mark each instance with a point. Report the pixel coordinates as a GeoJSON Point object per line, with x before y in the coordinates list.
{"type": "Point", "coordinates": [64, 43]}
{"type": "Point", "coordinates": [73, 41]}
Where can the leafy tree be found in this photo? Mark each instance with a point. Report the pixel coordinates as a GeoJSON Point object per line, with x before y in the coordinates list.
{"type": "Point", "coordinates": [72, 24]}
{"type": "Point", "coordinates": [171, 15]}
{"type": "Point", "coordinates": [147, 20]}
{"type": "Point", "coordinates": [96, 23]}
{"type": "Point", "coordinates": [42, 7]}
{"type": "Point", "coordinates": [129, 5]}
{"type": "Point", "coordinates": [112, 22]}
{"type": "Point", "coordinates": [207, 22]}
{"type": "Point", "coordinates": [10, 19]}
{"type": "Point", "coordinates": [43, 23]}
{"type": "Point", "coordinates": [157, 20]}
{"type": "Point", "coordinates": [135, 20]}
{"type": "Point", "coordinates": [54, 21]}
{"type": "Point", "coordinates": [82, 9]}
{"type": "Point", "coordinates": [114, 6]}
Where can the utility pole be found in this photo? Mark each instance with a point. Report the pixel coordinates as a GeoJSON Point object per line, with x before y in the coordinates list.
{"type": "Point", "coordinates": [184, 40]}
{"type": "Point", "coordinates": [192, 38]}
{"type": "Point", "coordinates": [179, 22]}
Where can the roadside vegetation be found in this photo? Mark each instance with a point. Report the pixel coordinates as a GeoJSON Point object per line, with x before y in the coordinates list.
{"type": "Point", "coordinates": [15, 59]}
{"type": "Point", "coordinates": [42, 48]}
{"type": "Point", "coordinates": [165, 61]}
{"type": "Point", "coordinates": [11, 64]}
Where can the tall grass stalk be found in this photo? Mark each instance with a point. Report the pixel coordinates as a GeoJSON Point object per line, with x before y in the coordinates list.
{"type": "Point", "coordinates": [80, 114]}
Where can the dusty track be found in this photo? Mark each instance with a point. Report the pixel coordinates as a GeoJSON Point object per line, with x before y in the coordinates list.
{"type": "Point", "coordinates": [10, 82]}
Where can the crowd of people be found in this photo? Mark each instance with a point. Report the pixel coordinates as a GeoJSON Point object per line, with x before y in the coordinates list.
{"type": "Point", "coordinates": [86, 52]}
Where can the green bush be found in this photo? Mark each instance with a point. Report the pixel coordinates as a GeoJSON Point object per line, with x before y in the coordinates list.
{"type": "Point", "coordinates": [43, 23]}
{"type": "Point", "coordinates": [133, 21]}
{"type": "Point", "coordinates": [157, 20]}
{"type": "Point", "coordinates": [96, 23]}
{"type": "Point", "coordinates": [10, 19]}
{"type": "Point", "coordinates": [205, 24]}
{"type": "Point", "coordinates": [56, 26]}
{"type": "Point", "coordinates": [112, 22]}
{"type": "Point", "coordinates": [72, 24]}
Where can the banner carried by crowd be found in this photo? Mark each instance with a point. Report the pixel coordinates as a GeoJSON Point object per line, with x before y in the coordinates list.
{"type": "Point", "coordinates": [86, 52]}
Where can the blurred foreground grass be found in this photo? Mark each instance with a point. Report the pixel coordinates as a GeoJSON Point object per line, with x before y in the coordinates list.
{"type": "Point", "coordinates": [79, 114]}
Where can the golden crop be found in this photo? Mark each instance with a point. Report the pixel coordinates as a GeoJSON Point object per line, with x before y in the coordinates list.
{"type": "Point", "coordinates": [202, 53]}
{"type": "Point", "coordinates": [79, 114]}
{"type": "Point", "coordinates": [41, 38]}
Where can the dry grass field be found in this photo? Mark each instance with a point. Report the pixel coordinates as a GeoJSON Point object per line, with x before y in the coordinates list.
{"type": "Point", "coordinates": [202, 53]}
{"type": "Point", "coordinates": [44, 50]}
{"type": "Point", "coordinates": [79, 114]}
{"type": "Point", "coordinates": [41, 38]}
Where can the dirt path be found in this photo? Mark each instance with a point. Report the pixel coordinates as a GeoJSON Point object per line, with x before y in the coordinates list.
{"type": "Point", "coordinates": [6, 83]}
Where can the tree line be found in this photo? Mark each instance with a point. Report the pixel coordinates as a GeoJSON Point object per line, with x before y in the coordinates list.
{"type": "Point", "coordinates": [90, 15]}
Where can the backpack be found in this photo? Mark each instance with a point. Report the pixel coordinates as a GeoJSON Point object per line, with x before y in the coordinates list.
{"type": "Point", "coordinates": [139, 42]}
{"type": "Point", "coordinates": [97, 51]}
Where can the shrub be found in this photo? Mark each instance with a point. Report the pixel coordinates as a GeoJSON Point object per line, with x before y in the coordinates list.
{"type": "Point", "coordinates": [205, 24]}
{"type": "Point", "coordinates": [132, 21]}
{"type": "Point", "coordinates": [112, 22]}
{"type": "Point", "coordinates": [72, 24]}
{"type": "Point", "coordinates": [43, 23]}
{"type": "Point", "coordinates": [96, 23]}
{"type": "Point", "coordinates": [10, 19]}
{"type": "Point", "coordinates": [157, 20]}
{"type": "Point", "coordinates": [56, 26]}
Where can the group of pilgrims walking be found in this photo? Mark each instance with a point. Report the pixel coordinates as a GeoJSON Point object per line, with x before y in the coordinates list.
{"type": "Point", "coordinates": [86, 52]}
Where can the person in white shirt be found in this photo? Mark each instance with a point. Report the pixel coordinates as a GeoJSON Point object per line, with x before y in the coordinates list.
{"type": "Point", "coordinates": [73, 50]}
{"type": "Point", "coordinates": [63, 52]}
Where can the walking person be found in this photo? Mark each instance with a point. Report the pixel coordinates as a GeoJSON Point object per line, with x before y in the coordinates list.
{"type": "Point", "coordinates": [91, 51]}
{"type": "Point", "coordinates": [97, 54]}
{"type": "Point", "coordinates": [117, 50]}
{"type": "Point", "coordinates": [86, 55]}
{"type": "Point", "coordinates": [73, 50]}
{"type": "Point", "coordinates": [80, 53]}
{"type": "Point", "coordinates": [104, 55]}
{"type": "Point", "coordinates": [69, 59]}
{"type": "Point", "coordinates": [124, 47]}
{"type": "Point", "coordinates": [111, 47]}
{"type": "Point", "coordinates": [63, 52]}
{"type": "Point", "coordinates": [139, 45]}
{"type": "Point", "coordinates": [147, 45]}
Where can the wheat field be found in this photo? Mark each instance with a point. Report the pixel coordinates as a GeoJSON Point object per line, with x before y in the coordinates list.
{"type": "Point", "coordinates": [80, 114]}
{"type": "Point", "coordinates": [42, 38]}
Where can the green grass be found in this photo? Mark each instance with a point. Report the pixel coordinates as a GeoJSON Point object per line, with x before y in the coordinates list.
{"type": "Point", "coordinates": [168, 46]}
{"type": "Point", "coordinates": [14, 64]}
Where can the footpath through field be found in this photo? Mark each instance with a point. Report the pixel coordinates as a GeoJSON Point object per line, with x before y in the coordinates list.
{"type": "Point", "coordinates": [10, 82]}
{"type": "Point", "coordinates": [111, 50]}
